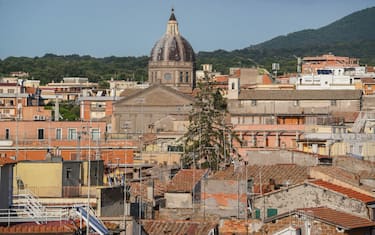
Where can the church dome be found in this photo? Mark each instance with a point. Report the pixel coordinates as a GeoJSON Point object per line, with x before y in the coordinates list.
{"type": "Point", "coordinates": [172, 46]}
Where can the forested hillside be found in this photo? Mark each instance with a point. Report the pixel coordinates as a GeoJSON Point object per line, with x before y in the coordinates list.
{"type": "Point", "coordinates": [352, 36]}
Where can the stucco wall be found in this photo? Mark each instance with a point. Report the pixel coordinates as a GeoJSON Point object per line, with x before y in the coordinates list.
{"type": "Point", "coordinates": [44, 179]}
{"type": "Point", "coordinates": [226, 198]}
{"type": "Point", "coordinates": [280, 157]}
{"type": "Point", "coordinates": [178, 200]}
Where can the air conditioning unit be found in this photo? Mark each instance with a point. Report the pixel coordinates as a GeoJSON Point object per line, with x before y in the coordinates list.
{"type": "Point", "coordinates": [36, 117]}
{"type": "Point", "coordinates": [42, 118]}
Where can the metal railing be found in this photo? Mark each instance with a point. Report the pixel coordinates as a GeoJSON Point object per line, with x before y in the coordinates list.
{"type": "Point", "coordinates": [28, 208]}
{"type": "Point", "coordinates": [21, 215]}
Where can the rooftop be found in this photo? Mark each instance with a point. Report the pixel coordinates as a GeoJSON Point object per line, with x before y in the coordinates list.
{"type": "Point", "coordinates": [346, 191]}
{"type": "Point", "coordinates": [156, 227]}
{"type": "Point", "coordinates": [5, 161]}
{"type": "Point", "coordinates": [280, 173]}
{"type": "Point", "coordinates": [341, 219]}
{"type": "Point", "coordinates": [185, 180]}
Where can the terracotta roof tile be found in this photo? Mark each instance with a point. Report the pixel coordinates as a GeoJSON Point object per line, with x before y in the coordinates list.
{"type": "Point", "coordinates": [186, 179]}
{"type": "Point", "coordinates": [368, 80]}
{"type": "Point", "coordinates": [348, 116]}
{"type": "Point", "coordinates": [234, 226]}
{"type": "Point", "coordinates": [63, 227]}
{"type": "Point", "coordinates": [4, 161]}
{"type": "Point", "coordinates": [345, 177]}
{"type": "Point", "coordinates": [346, 191]}
{"type": "Point", "coordinates": [280, 173]}
{"type": "Point", "coordinates": [156, 227]}
{"type": "Point", "coordinates": [345, 220]}
{"type": "Point", "coordinates": [159, 188]}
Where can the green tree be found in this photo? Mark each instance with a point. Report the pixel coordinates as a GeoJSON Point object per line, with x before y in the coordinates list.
{"type": "Point", "coordinates": [207, 142]}
{"type": "Point", "coordinates": [69, 111]}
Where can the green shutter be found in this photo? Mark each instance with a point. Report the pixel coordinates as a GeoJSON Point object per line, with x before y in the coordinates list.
{"type": "Point", "coordinates": [257, 213]}
{"type": "Point", "coordinates": [271, 212]}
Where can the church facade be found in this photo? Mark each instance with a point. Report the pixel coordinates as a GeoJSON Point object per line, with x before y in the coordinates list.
{"type": "Point", "coordinates": [169, 96]}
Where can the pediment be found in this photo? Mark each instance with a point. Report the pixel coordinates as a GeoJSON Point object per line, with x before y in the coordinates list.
{"type": "Point", "coordinates": [157, 95]}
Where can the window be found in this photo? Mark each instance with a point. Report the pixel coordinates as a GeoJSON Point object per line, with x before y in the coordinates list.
{"type": "Point", "coordinates": [95, 134]}
{"type": "Point", "coordinates": [333, 102]}
{"type": "Point", "coordinates": [181, 76]}
{"type": "Point", "coordinates": [296, 102]}
{"type": "Point", "coordinates": [68, 173]}
{"type": "Point", "coordinates": [253, 103]}
{"type": "Point", "coordinates": [187, 77]}
{"type": "Point", "coordinates": [11, 91]}
{"type": "Point", "coordinates": [40, 134]}
{"type": "Point", "coordinates": [58, 133]}
{"type": "Point", "coordinates": [233, 85]}
{"type": "Point", "coordinates": [7, 134]}
{"type": "Point", "coordinates": [72, 134]}
{"type": "Point", "coordinates": [271, 212]}
{"type": "Point", "coordinates": [168, 76]}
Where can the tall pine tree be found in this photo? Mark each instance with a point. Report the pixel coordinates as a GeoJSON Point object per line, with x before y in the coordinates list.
{"type": "Point", "coordinates": [208, 140]}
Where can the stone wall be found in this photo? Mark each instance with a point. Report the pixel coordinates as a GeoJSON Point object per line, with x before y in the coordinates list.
{"type": "Point", "coordinates": [308, 195]}
{"type": "Point", "coordinates": [316, 226]}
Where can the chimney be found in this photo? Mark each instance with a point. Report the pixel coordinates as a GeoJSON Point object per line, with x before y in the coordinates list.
{"type": "Point", "coordinates": [150, 190]}
{"type": "Point", "coordinates": [57, 110]}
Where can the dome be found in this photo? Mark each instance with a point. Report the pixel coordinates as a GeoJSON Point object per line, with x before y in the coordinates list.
{"type": "Point", "coordinates": [172, 60]}
{"type": "Point", "coordinates": [172, 46]}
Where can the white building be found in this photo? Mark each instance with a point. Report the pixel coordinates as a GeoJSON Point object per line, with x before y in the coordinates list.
{"type": "Point", "coordinates": [328, 79]}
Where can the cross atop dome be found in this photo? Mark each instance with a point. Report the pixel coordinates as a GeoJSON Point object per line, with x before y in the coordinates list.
{"type": "Point", "coordinates": [172, 17]}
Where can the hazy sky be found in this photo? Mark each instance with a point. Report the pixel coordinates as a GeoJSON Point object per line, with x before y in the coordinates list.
{"type": "Point", "coordinates": [131, 27]}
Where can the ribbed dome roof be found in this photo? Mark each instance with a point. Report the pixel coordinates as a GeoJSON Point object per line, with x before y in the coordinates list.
{"type": "Point", "coordinates": [172, 46]}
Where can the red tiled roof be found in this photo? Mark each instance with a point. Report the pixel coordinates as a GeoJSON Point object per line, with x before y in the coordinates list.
{"type": "Point", "coordinates": [348, 116]}
{"type": "Point", "coordinates": [185, 180]}
{"type": "Point", "coordinates": [4, 161]}
{"type": "Point", "coordinates": [280, 173]}
{"type": "Point", "coordinates": [221, 78]}
{"type": "Point", "coordinates": [136, 188]}
{"type": "Point", "coordinates": [346, 191]}
{"type": "Point", "coordinates": [63, 227]}
{"type": "Point", "coordinates": [235, 226]}
{"type": "Point", "coordinates": [156, 227]}
{"type": "Point", "coordinates": [368, 80]}
{"type": "Point", "coordinates": [345, 220]}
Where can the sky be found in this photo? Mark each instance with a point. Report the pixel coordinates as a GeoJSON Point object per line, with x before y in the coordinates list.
{"type": "Point", "coordinates": [102, 28]}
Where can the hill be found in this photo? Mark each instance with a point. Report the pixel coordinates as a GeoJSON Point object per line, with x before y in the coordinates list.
{"type": "Point", "coordinates": [351, 36]}
{"type": "Point", "coordinates": [355, 27]}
